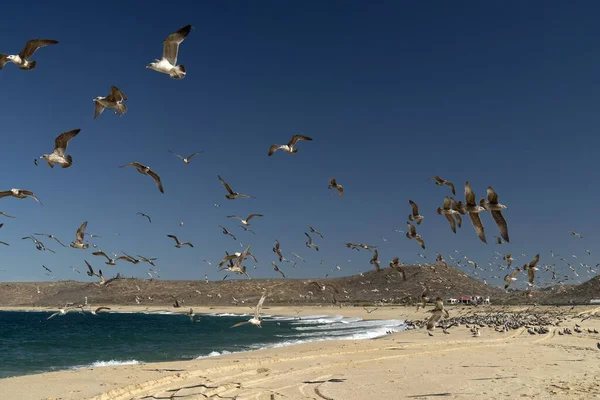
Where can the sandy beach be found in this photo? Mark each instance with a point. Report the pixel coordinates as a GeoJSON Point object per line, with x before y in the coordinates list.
{"type": "Point", "coordinates": [403, 365]}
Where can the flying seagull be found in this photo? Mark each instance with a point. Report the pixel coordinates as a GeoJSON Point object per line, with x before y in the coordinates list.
{"type": "Point", "coordinates": [310, 242]}
{"type": "Point", "coordinates": [576, 234]}
{"type": "Point", "coordinates": [247, 220]}
{"type": "Point", "coordinates": [447, 211]}
{"type": "Point", "coordinates": [51, 237]}
{"type": "Point", "coordinates": [19, 194]}
{"type": "Point", "coordinates": [375, 261]}
{"type": "Point", "coordinates": [508, 258]}
{"type": "Point", "coordinates": [509, 278]}
{"type": "Point", "coordinates": [97, 310]}
{"type": "Point", "coordinates": [313, 230]}
{"type": "Point", "coordinates": [496, 211]}
{"type": "Point", "coordinates": [114, 100]}
{"type": "Point", "coordinates": [334, 185]}
{"type": "Point", "coordinates": [145, 170]}
{"type": "Point", "coordinates": [276, 268]}
{"type": "Point", "coordinates": [415, 216]}
{"type": "Point", "coordinates": [531, 268]}
{"type": "Point", "coordinates": [231, 194]}
{"type": "Point", "coordinates": [277, 250]}
{"type": "Point", "coordinates": [178, 244]}
{"type": "Point", "coordinates": [78, 243]}
{"type": "Point", "coordinates": [438, 312]}
{"type": "Point", "coordinates": [110, 261]}
{"type": "Point", "coordinates": [256, 320]}
{"type": "Point", "coordinates": [22, 59]}
{"type": "Point", "coordinates": [61, 311]}
{"type": "Point", "coordinates": [168, 63]}
{"type": "Point", "coordinates": [60, 147]}
{"type": "Point", "coordinates": [412, 234]}
{"type": "Point", "coordinates": [289, 148]}
{"type": "Point", "coordinates": [226, 232]}
{"type": "Point", "coordinates": [473, 209]}
{"type": "Point", "coordinates": [440, 182]}
{"type": "Point", "coordinates": [46, 268]}
{"type": "Point", "coordinates": [145, 215]}
{"type": "Point", "coordinates": [187, 159]}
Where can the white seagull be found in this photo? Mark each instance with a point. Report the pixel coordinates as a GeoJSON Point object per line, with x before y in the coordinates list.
{"type": "Point", "coordinates": [289, 148]}
{"type": "Point", "coordinates": [78, 243]}
{"type": "Point", "coordinates": [178, 244]}
{"type": "Point", "coordinates": [187, 159]}
{"type": "Point", "coordinates": [256, 320]}
{"type": "Point", "coordinates": [145, 170]}
{"type": "Point", "coordinates": [247, 220]}
{"type": "Point", "coordinates": [21, 59]}
{"type": "Point", "coordinates": [60, 147]}
{"type": "Point", "coordinates": [168, 63]}
{"type": "Point", "coordinates": [114, 100]}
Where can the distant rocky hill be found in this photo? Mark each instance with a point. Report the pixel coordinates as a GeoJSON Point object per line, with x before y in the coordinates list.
{"type": "Point", "coordinates": [571, 294]}
{"type": "Point", "coordinates": [372, 287]}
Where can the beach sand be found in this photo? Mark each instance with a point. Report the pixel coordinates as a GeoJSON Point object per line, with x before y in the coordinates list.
{"type": "Point", "coordinates": [404, 365]}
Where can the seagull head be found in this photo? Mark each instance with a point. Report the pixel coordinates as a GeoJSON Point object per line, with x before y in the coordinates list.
{"type": "Point", "coordinates": [10, 58]}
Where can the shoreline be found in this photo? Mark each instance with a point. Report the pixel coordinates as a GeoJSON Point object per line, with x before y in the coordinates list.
{"type": "Point", "coordinates": [466, 367]}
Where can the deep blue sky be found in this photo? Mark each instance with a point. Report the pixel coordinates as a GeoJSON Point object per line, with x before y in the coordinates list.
{"type": "Point", "coordinates": [392, 93]}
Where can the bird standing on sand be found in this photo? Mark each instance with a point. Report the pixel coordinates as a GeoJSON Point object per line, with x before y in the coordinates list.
{"type": "Point", "coordinates": [186, 160]}
{"type": "Point", "coordinates": [60, 147]}
{"type": "Point", "coordinates": [256, 320]}
{"type": "Point", "coordinates": [440, 182]}
{"type": "Point", "coordinates": [414, 215]}
{"type": "Point", "coordinates": [78, 243]}
{"type": "Point", "coordinates": [289, 148]}
{"type": "Point", "coordinates": [114, 101]}
{"type": "Point", "coordinates": [246, 221]}
{"type": "Point", "coordinates": [145, 170]}
{"type": "Point", "coordinates": [168, 63]}
{"type": "Point", "coordinates": [22, 59]}
{"type": "Point", "coordinates": [334, 185]}
{"type": "Point", "coordinates": [179, 244]}
{"type": "Point", "coordinates": [412, 234]}
{"type": "Point", "coordinates": [231, 194]}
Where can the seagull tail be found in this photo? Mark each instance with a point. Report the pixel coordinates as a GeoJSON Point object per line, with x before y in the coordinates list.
{"type": "Point", "coordinates": [121, 108]}
{"type": "Point", "coordinates": [69, 160]}
{"type": "Point", "coordinates": [32, 64]}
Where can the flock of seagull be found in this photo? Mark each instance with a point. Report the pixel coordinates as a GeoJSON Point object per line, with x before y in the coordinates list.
{"type": "Point", "coordinates": [451, 209]}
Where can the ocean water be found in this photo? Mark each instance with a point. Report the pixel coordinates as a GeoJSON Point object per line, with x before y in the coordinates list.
{"type": "Point", "coordinates": [30, 344]}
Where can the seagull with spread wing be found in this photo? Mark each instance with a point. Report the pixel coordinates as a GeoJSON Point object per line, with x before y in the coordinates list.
{"type": "Point", "coordinates": [51, 237]}
{"type": "Point", "coordinates": [145, 215]}
{"type": "Point", "coordinates": [440, 182]}
{"type": "Point", "coordinates": [19, 194]}
{"type": "Point", "coordinates": [256, 320]}
{"type": "Point", "coordinates": [188, 159]}
{"type": "Point", "coordinates": [246, 221]}
{"type": "Point", "coordinates": [60, 147]}
{"type": "Point", "coordinates": [78, 243]}
{"type": "Point", "coordinates": [412, 234]}
{"type": "Point", "coordinates": [179, 244]}
{"type": "Point", "coordinates": [168, 63]}
{"type": "Point", "coordinates": [145, 170]}
{"type": "Point", "coordinates": [496, 210]}
{"type": "Point", "coordinates": [114, 101]}
{"type": "Point", "coordinates": [22, 59]}
{"type": "Point", "coordinates": [289, 148]}
{"type": "Point", "coordinates": [231, 194]}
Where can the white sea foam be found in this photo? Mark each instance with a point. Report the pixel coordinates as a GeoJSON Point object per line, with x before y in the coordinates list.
{"type": "Point", "coordinates": [111, 363]}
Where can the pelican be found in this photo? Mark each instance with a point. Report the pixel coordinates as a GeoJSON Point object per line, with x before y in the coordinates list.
{"type": "Point", "coordinates": [188, 159]}
{"type": "Point", "coordinates": [110, 261]}
{"type": "Point", "coordinates": [22, 59]}
{"type": "Point", "coordinates": [231, 194]}
{"type": "Point", "coordinates": [310, 242]}
{"type": "Point", "coordinates": [19, 194]}
{"type": "Point", "coordinates": [334, 185]}
{"type": "Point", "coordinates": [375, 261]}
{"type": "Point", "coordinates": [496, 210]}
{"type": "Point", "coordinates": [415, 216]}
{"type": "Point", "coordinates": [178, 244]}
{"type": "Point", "coordinates": [145, 215]}
{"type": "Point", "coordinates": [168, 63]}
{"type": "Point", "coordinates": [256, 320]}
{"type": "Point", "coordinates": [114, 100]}
{"type": "Point", "coordinates": [440, 182]}
{"type": "Point", "coordinates": [412, 234]}
{"type": "Point", "coordinates": [78, 243]}
{"type": "Point", "coordinates": [60, 147]}
{"type": "Point", "coordinates": [289, 148]}
{"type": "Point", "coordinates": [145, 170]}
{"type": "Point", "coordinates": [246, 221]}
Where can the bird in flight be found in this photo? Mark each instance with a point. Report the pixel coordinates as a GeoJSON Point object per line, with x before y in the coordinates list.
{"type": "Point", "coordinates": [289, 148]}
{"type": "Point", "coordinates": [168, 63]}
{"type": "Point", "coordinates": [145, 170]}
{"type": "Point", "coordinates": [412, 234]}
{"type": "Point", "coordinates": [375, 260]}
{"type": "Point", "coordinates": [316, 232]}
{"type": "Point", "coordinates": [78, 243]}
{"type": "Point", "coordinates": [414, 215]}
{"type": "Point", "coordinates": [22, 59]}
{"type": "Point", "coordinates": [440, 182]}
{"type": "Point", "coordinates": [187, 159]}
{"type": "Point", "coordinates": [114, 101]}
{"type": "Point", "coordinates": [145, 215]}
{"type": "Point", "coordinates": [226, 232]}
{"type": "Point", "coordinates": [178, 244]}
{"type": "Point", "coordinates": [51, 237]}
{"type": "Point", "coordinates": [19, 194]}
{"type": "Point", "coordinates": [310, 242]}
{"type": "Point", "coordinates": [496, 210]}
{"type": "Point", "coordinates": [256, 320]}
{"type": "Point", "coordinates": [231, 194]}
{"type": "Point", "coordinates": [247, 220]}
{"type": "Point", "coordinates": [60, 147]}
{"type": "Point", "coordinates": [334, 185]}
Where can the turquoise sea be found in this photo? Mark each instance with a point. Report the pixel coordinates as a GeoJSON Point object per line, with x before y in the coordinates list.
{"type": "Point", "coordinates": [30, 344]}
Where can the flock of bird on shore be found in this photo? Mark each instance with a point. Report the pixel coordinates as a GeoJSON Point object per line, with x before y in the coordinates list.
{"type": "Point", "coordinates": [451, 209]}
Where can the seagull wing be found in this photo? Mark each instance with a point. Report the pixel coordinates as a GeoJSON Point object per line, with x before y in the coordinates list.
{"type": "Point", "coordinates": [469, 194]}
{"type": "Point", "coordinates": [452, 222]}
{"type": "Point", "coordinates": [90, 269]}
{"type": "Point", "coordinates": [239, 324]}
{"type": "Point", "coordinates": [156, 178]}
{"type": "Point", "coordinates": [32, 46]}
{"type": "Point", "coordinates": [433, 320]}
{"type": "Point", "coordinates": [133, 164]}
{"type": "Point", "coordinates": [501, 222]}
{"type": "Point", "coordinates": [478, 225]}
{"type": "Point", "coordinates": [309, 238]}
{"type": "Point", "coordinates": [172, 42]}
{"type": "Point", "coordinates": [59, 242]}
{"type": "Point", "coordinates": [100, 253]}
{"type": "Point", "coordinates": [175, 154]}
{"type": "Point", "coordinates": [101, 308]}
{"type": "Point", "coordinates": [273, 149]}
{"type": "Point", "coordinates": [80, 232]}
{"type": "Point", "coordinates": [415, 208]}
{"type": "Point", "coordinates": [295, 139]}
{"type": "Point", "coordinates": [61, 141]}
{"type": "Point", "coordinates": [193, 155]}
{"type": "Point", "coordinates": [30, 194]}
{"type": "Point", "coordinates": [116, 95]}
{"type": "Point", "coordinates": [492, 195]}
{"type": "Point", "coordinates": [99, 109]}
{"type": "Point", "coordinates": [174, 238]}
{"type": "Point", "coordinates": [227, 187]}
{"type": "Point", "coordinates": [413, 230]}
{"type": "Point", "coordinates": [259, 305]}
{"type": "Point", "coordinates": [420, 241]}
{"type": "Point", "coordinates": [53, 315]}
{"type": "Point", "coordinates": [252, 216]}
{"type": "Point", "coordinates": [535, 260]}
{"type": "Point", "coordinates": [531, 275]}
{"type": "Point", "coordinates": [451, 186]}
